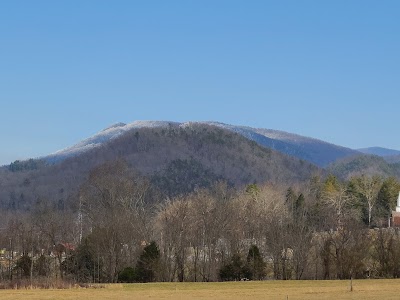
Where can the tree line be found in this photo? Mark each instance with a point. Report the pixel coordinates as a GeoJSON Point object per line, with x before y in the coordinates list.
{"type": "Point", "coordinates": [121, 231]}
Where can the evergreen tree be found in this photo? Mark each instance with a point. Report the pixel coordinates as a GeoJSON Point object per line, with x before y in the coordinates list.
{"type": "Point", "coordinates": [299, 207]}
{"type": "Point", "coordinates": [291, 198]}
{"type": "Point", "coordinates": [237, 269]}
{"type": "Point", "coordinates": [253, 190]}
{"type": "Point", "coordinates": [387, 197]}
{"type": "Point", "coordinates": [127, 275]}
{"type": "Point", "coordinates": [82, 264]}
{"type": "Point", "coordinates": [148, 263]}
{"type": "Point", "coordinates": [42, 266]}
{"type": "Point", "coordinates": [255, 263]}
{"type": "Point", "coordinates": [24, 265]}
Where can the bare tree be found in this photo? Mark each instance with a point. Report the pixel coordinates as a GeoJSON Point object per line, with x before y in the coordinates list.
{"type": "Point", "coordinates": [335, 195]}
{"type": "Point", "coordinates": [56, 229]}
{"type": "Point", "coordinates": [367, 187]}
{"type": "Point", "coordinates": [386, 253]}
{"type": "Point", "coordinates": [211, 217]}
{"type": "Point", "coordinates": [113, 201]}
{"type": "Point", "coordinates": [173, 226]}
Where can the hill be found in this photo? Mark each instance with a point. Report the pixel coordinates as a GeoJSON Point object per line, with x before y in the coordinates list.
{"type": "Point", "coordinates": [392, 159]}
{"type": "Point", "coordinates": [383, 152]}
{"type": "Point", "coordinates": [176, 158]}
{"type": "Point", "coordinates": [312, 150]}
{"type": "Point", "coordinates": [364, 164]}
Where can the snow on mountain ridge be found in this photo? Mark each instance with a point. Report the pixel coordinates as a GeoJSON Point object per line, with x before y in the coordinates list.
{"type": "Point", "coordinates": [316, 151]}
{"type": "Point", "coordinates": [269, 133]}
{"type": "Point", "coordinates": [116, 125]}
{"type": "Point", "coordinates": [313, 150]}
{"type": "Point", "coordinates": [101, 138]}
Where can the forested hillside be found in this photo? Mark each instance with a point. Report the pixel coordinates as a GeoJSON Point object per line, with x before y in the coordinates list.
{"type": "Point", "coordinates": [176, 159]}
{"type": "Point", "coordinates": [364, 164]}
{"type": "Point", "coordinates": [393, 159]}
{"type": "Point", "coordinates": [318, 152]}
{"type": "Point", "coordinates": [319, 229]}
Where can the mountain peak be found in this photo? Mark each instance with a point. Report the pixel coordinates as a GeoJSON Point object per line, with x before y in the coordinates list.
{"type": "Point", "coordinates": [315, 151]}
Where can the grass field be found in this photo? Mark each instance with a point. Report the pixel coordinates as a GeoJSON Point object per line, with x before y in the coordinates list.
{"type": "Point", "coordinates": [285, 290]}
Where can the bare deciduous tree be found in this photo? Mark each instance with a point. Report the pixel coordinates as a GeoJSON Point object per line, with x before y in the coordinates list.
{"type": "Point", "coordinates": [367, 187]}
{"type": "Point", "coordinates": [113, 200]}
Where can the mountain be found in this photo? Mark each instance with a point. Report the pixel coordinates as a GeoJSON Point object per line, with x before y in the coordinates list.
{"type": "Point", "coordinates": [390, 155]}
{"type": "Point", "coordinates": [383, 152]}
{"type": "Point", "coordinates": [101, 138]}
{"type": "Point", "coordinates": [176, 159]}
{"type": "Point", "coordinates": [393, 159]}
{"type": "Point", "coordinates": [180, 157]}
{"type": "Point", "coordinates": [363, 164]}
{"type": "Point", "coordinates": [312, 150]}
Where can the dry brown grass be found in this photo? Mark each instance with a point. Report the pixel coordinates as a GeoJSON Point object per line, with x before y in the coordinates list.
{"type": "Point", "coordinates": [291, 290]}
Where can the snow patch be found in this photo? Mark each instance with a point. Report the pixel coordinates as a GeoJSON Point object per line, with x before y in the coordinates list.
{"type": "Point", "coordinates": [103, 137]}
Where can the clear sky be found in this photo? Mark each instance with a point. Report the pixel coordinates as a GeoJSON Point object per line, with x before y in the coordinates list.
{"type": "Point", "coordinates": [325, 69]}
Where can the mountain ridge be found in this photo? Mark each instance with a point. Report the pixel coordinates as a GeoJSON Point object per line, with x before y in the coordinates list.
{"type": "Point", "coordinates": [176, 159]}
{"type": "Point", "coordinates": [313, 150]}
{"type": "Point", "coordinates": [380, 151]}
{"type": "Point", "coordinates": [180, 157]}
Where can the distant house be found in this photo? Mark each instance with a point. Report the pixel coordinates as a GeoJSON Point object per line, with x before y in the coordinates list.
{"type": "Point", "coordinates": [395, 219]}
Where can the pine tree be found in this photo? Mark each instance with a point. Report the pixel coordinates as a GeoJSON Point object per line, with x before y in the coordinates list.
{"type": "Point", "coordinates": [255, 263]}
{"type": "Point", "coordinates": [148, 263]}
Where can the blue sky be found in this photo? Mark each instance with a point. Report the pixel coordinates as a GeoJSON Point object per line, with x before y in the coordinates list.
{"type": "Point", "coordinates": [325, 69]}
